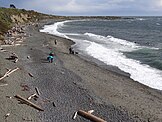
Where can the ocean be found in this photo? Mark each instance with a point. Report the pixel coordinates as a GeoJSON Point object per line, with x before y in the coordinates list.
{"type": "Point", "coordinates": [132, 45]}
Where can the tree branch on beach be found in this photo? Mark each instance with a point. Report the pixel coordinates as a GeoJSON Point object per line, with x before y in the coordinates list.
{"type": "Point", "coordinates": [88, 115]}
{"type": "Point", "coordinates": [28, 102]}
{"type": "Point", "coordinates": [8, 73]}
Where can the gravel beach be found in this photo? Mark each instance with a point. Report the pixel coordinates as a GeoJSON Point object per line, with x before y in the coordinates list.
{"type": "Point", "coordinates": [69, 84]}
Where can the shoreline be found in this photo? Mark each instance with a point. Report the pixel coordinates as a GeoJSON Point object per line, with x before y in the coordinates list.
{"type": "Point", "coordinates": [74, 83]}
{"type": "Point", "coordinates": [134, 84]}
{"type": "Point", "coordinates": [131, 67]}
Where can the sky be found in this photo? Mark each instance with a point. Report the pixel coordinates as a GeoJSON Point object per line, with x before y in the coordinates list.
{"type": "Point", "coordinates": [90, 7]}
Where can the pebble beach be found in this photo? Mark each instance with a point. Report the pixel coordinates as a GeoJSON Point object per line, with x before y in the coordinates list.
{"type": "Point", "coordinates": [69, 84]}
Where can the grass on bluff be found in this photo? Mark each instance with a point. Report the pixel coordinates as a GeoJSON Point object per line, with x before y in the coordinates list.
{"type": "Point", "coordinates": [6, 13]}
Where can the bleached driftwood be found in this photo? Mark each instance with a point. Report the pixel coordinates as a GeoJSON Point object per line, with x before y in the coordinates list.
{"type": "Point", "coordinates": [8, 73]}
{"type": "Point", "coordinates": [29, 102]}
{"type": "Point", "coordinates": [7, 115]}
{"type": "Point", "coordinates": [31, 96]}
{"type": "Point", "coordinates": [90, 116]}
{"type": "Point", "coordinates": [9, 97]}
{"type": "Point", "coordinates": [75, 115]}
{"type": "Point", "coordinates": [9, 70]}
{"type": "Point", "coordinates": [4, 85]}
{"type": "Point", "coordinates": [17, 44]}
{"type": "Point", "coordinates": [2, 50]}
{"type": "Point", "coordinates": [14, 56]}
{"type": "Point", "coordinates": [13, 71]}
{"type": "Point", "coordinates": [16, 60]}
{"type": "Point", "coordinates": [90, 111]}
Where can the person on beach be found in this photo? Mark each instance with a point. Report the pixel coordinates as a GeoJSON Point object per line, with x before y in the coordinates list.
{"type": "Point", "coordinates": [71, 51]}
{"type": "Point", "coordinates": [55, 42]}
{"type": "Point", "coordinates": [50, 57]}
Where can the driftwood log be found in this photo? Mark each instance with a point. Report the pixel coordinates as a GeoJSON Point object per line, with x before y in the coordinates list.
{"type": "Point", "coordinates": [32, 96]}
{"type": "Point", "coordinates": [16, 60]}
{"type": "Point", "coordinates": [75, 115]}
{"type": "Point", "coordinates": [9, 70]}
{"type": "Point", "coordinates": [7, 115]}
{"type": "Point", "coordinates": [8, 73]}
{"type": "Point", "coordinates": [90, 116]}
{"type": "Point", "coordinates": [4, 85]}
{"type": "Point", "coordinates": [31, 75]}
{"type": "Point", "coordinates": [29, 102]}
{"type": "Point", "coordinates": [37, 90]}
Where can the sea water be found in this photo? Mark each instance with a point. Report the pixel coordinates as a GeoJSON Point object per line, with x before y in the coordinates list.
{"type": "Point", "coordinates": [133, 45]}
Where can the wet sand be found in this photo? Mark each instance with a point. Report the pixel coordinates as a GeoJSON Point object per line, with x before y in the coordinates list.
{"type": "Point", "coordinates": [71, 83]}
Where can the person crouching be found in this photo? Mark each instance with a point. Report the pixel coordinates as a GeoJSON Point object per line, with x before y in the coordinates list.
{"type": "Point", "coordinates": [50, 57]}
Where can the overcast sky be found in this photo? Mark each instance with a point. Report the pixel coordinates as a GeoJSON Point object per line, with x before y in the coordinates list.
{"type": "Point", "coordinates": [90, 7]}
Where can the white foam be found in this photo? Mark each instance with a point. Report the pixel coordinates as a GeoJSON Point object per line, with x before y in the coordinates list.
{"type": "Point", "coordinates": [138, 72]}
{"type": "Point", "coordinates": [141, 19]}
{"type": "Point", "coordinates": [118, 44]}
{"type": "Point", "coordinates": [53, 29]}
{"type": "Point", "coordinates": [157, 23]}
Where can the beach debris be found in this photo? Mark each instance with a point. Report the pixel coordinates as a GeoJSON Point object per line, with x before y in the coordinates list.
{"type": "Point", "coordinates": [32, 96]}
{"type": "Point", "coordinates": [62, 72]}
{"type": "Point", "coordinates": [45, 45]}
{"type": "Point", "coordinates": [9, 97]}
{"type": "Point", "coordinates": [24, 100]}
{"type": "Point", "coordinates": [26, 119]}
{"type": "Point", "coordinates": [14, 35]}
{"type": "Point", "coordinates": [53, 103]}
{"type": "Point", "coordinates": [46, 100]}
{"type": "Point", "coordinates": [75, 115]}
{"type": "Point", "coordinates": [28, 57]}
{"type": "Point", "coordinates": [13, 57]}
{"type": "Point", "coordinates": [25, 87]}
{"type": "Point", "coordinates": [3, 50]}
{"type": "Point", "coordinates": [3, 84]}
{"type": "Point", "coordinates": [8, 73]}
{"type": "Point", "coordinates": [7, 115]}
{"type": "Point", "coordinates": [88, 116]}
{"type": "Point", "coordinates": [90, 111]}
{"type": "Point", "coordinates": [8, 70]}
{"type": "Point", "coordinates": [37, 90]}
{"type": "Point", "coordinates": [16, 60]}
{"type": "Point", "coordinates": [31, 75]}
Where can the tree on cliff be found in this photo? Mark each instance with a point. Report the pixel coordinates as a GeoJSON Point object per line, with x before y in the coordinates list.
{"type": "Point", "coordinates": [12, 6]}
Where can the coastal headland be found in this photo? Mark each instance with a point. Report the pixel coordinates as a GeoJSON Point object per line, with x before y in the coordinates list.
{"type": "Point", "coordinates": [67, 85]}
